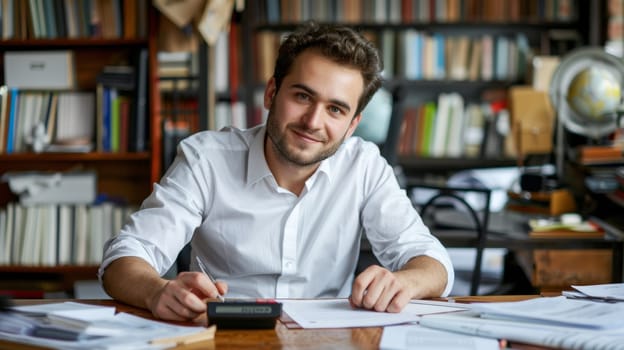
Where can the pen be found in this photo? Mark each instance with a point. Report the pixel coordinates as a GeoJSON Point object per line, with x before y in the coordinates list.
{"type": "Point", "coordinates": [204, 269]}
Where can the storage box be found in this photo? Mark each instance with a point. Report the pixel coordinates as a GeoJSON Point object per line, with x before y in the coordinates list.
{"type": "Point", "coordinates": [53, 188]}
{"type": "Point", "coordinates": [532, 122]}
{"type": "Point", "coordinates": [40, 70]}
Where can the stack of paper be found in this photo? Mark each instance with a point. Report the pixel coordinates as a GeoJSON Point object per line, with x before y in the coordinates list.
{"type": "Point", "coordinates": [555, 322]}
{"type": "Point", "coordinates": [72, 325]}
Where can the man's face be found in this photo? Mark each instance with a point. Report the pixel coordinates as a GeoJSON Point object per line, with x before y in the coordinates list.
{"type": "Point", "coordinates": [312, 113]}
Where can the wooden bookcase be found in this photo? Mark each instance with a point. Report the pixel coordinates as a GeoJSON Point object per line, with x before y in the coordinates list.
{"type": "Point", "coordinates": [127, 176]}
{"type": "Point", "coordinates": [541, 22]}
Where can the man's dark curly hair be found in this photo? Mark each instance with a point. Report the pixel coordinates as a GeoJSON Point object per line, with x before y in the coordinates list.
{"type": "Point", "coordinates": [340, 44]}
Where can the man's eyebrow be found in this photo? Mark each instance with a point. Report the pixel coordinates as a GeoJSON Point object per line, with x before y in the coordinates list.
{"type": "Point", "coordinates": [313, 93]}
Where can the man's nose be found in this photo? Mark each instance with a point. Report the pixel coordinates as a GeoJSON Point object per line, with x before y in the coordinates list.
{"type": "Point", "coordinates": [314, 115]}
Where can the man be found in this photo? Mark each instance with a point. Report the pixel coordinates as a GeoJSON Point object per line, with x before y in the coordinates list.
{"type": "Point", "coordinates": [278, 210]}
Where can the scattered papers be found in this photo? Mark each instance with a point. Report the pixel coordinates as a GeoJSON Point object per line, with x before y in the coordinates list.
{"type": "Point", "coordinates": [338, 313]}
{"type": "Point", "coordinates": [559, 311]}
{"type": "Point", "coordinates": [81, 326]}
{"type": "Point", "coordinates": [417, 337]}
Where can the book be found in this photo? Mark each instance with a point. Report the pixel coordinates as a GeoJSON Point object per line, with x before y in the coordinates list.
{"type": "Point", "coordinates": [10, 139]}
{"type": "Point", "coordinates": [76, 118]}
{"type": "Point", "coordinates": [542, 228]}
{"type": "Point", "coordinates": [138, 124]}
{"type": "Point", "coordinates": [4, 115]}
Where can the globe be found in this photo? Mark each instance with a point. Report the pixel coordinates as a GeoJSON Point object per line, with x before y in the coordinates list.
{"type": "Point", "coordinates": [594, 93]}
{"type": "Point", "coordinates": [376, 117]}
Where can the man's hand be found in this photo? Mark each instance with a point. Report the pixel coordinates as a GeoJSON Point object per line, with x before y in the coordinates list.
{"type": "Point", "coordinates": [381, 290]}
{"type": "Point", "coordinates": [184, 298]}
{"type": "Point", "coordinates": [378, 289]}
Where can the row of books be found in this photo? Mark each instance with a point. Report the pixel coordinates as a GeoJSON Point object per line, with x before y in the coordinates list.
{"type": "Point", "coordinates": [408, 11]}
{"type": "Point", "coordinates": [43, 121]}
{"type": "Point", "coordinates": [418, 55]}
{"type": "Point", "coordinates": [52, 121]}
{"type": "Point", "coordinates": [450, 128]}
{"type": "Point", "coordinates": [176, 71]}
{"type": "Point", "coordinates": [53, 19]}
{"type": "Point", "coordinates": [52, 234]}
{"type": "Point", "coordinates": [180, 119]}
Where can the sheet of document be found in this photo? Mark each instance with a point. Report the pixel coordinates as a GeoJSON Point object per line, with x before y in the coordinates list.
{"type": "Point", "coordinates": [557, 311]}
{"type": "Point", "coordinates": [67, 308]}
{"type": "Point", "coordinates": [422, 338]}
{"type": "Point", "coordinates": [613, 291]}
{"type": "Point", "coordinates": [337, 313]}
{"type": "Point", "coordinates": [558, 337]}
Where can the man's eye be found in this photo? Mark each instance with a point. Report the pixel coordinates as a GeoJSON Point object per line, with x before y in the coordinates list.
{"type": "Point", "coordinates": [335, 110]}
{"type": "Point", "coordinates": [302, 97]}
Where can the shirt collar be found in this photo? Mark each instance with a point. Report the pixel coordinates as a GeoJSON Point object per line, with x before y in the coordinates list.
{"type": "Point", "coordinates": [258, 168]}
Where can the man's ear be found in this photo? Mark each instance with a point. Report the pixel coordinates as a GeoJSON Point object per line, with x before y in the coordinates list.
{"type": "Point", "coordinates": [353, 125]}
{"type": "Point", "coordinates": [269, 93]}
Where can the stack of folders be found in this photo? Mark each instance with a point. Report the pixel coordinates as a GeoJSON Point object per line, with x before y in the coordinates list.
{"type": "Point", "coordinates": [557, 322]}
{"type": "Point", "coordinates": [71, 325]}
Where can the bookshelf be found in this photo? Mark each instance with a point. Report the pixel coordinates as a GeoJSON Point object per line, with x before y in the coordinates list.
{"type": "Point", "coordinates": [444, 35]}
{"type": "Point", "coordinates": [102, 36]}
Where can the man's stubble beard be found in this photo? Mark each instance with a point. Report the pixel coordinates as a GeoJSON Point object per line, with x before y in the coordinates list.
{"type": "Point", "coordinates": [282, 149]}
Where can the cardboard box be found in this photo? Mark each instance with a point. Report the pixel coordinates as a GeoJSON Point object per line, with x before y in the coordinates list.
{"type": "Point", "coordinates": [40, 70]}
{"type": "Point", "coordinates": [532, 122]}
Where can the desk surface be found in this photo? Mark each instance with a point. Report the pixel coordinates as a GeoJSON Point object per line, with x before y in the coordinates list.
{"type": "Point", "coordinates": [278, 338]}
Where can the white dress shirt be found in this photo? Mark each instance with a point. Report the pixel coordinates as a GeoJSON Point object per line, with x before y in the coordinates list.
{"type": "Point", "coordinates": [265, 241]}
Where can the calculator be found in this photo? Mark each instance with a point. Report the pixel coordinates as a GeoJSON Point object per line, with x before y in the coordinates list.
{"type": "Point", "coordinates": [244, 314]}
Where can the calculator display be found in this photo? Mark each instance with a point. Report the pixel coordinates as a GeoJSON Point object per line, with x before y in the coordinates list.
{"type": "Point", "coordinates": [240, 309]}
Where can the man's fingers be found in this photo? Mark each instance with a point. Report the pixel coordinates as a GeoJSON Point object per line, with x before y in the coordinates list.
{"type": "Point", "coordinates": [398, 302]}
{"type": "Point", "coordinates": [378, 289]}
{"type": "Point", "coordinates": [201, 285]}
{"type": "Point", "coordinates": [360, 286]}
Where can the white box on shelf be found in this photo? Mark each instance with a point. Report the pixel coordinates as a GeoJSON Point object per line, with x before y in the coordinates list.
{"type": "Point", "coordinates": [40, 70]}
{"type": "Point", "coordinates": [78, 187]}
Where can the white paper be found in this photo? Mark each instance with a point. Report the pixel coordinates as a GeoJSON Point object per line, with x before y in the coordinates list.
{"type": "Point", "coordinates": [421, 338]}
{"type": "Point", "coordinates": [614, 291]}
{"type": "Point", "coordinates": [338, 313]}
{"type": "Point", "coordinates": [65, 308]}
{"type": "Point", "coordinates": [557, 311]}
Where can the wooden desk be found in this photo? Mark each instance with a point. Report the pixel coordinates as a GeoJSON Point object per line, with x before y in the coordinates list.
{"type": "Point", "coordinates": [278, 338]}
{"type": "Point", "coordinates": [508, 230]}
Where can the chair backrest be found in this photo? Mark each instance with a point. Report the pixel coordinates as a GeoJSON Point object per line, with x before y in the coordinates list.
{"type": "Point", "coordinates": [480, 221]}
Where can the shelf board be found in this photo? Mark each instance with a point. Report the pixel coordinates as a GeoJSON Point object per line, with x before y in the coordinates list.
{"type": "Point", "coordinates": [61, 269]}
{"type": "Point", "coordinates": [519, 26]}
{"type": "Point", "coordinates": [91, 156]}
{"type": "Point", "coordinates": [80, 42]}
{"type": "Point", "coordinates": [419, 164]}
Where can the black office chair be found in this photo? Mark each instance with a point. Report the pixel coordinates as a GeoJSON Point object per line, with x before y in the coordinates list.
{"type": "Point", "coordinates": [458, 234]}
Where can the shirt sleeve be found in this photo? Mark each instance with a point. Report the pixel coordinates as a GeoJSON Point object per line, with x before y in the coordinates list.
{"type": "Point", "coordinates": [166, 220]}
{"type": "Point", "coordinates": [392, 225]}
